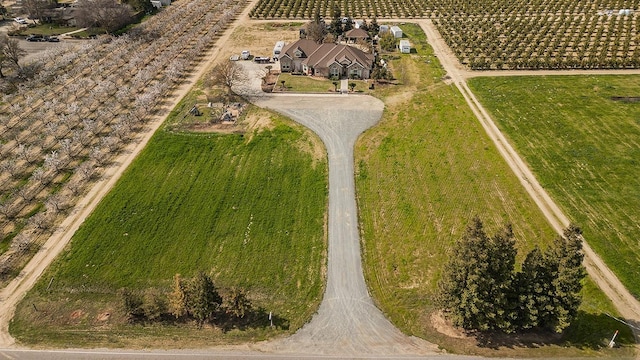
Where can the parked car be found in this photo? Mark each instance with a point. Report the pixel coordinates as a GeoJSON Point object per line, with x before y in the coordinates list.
{"type": "Point", "coordinates": [35, 38]}
{"type": "Point", "coordinates": [53, 39]}
{"type": "Point", "coordinates": [245, 54]}
{"type": "Point", "coordinates": [20, 20]}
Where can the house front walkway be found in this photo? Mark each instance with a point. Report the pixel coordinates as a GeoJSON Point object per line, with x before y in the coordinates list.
{"type": "Point", "coordinates": [344, 86]}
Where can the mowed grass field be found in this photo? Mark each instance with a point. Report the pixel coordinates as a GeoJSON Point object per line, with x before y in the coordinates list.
{"type": "Point", "coordinates": [248, 210]}
{"type": "Point", "coordinates": [583, 143]}
{"type": "Point", "coordinates": [422, 174]}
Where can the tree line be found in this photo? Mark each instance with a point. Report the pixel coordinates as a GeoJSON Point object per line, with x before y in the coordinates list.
{"type": "Point", "coordinates": [481, 290]}
{"type": "Point", "coordinates": [195, 299]}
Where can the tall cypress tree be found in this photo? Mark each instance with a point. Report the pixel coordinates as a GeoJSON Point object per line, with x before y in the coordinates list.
{"type": "Point", "coordinates": [480, 290]}
{"type": "Point", "coordinates": [474, 289]}
{"type": "Point", "coordinates": [534, 285]}
{"type": "Point", "coordinates": [568, 282]}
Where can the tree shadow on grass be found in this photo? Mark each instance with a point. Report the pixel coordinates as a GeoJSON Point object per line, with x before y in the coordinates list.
{"type": "Point", "coordinates": [253, 319]}
{"type": "Point", "coordinates": [588, 332]}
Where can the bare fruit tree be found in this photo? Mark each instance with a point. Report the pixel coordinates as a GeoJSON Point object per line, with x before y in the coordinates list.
{"type": "Point", "coordinates": [228, 74]}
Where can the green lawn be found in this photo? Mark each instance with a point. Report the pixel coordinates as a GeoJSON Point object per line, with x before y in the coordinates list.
{"type": "Point", "coordinates": [302, 83]}
{"type": "Point", "coordinates": [249, 212]}
{"type": "Point", "coordinates": [307, 84]}
{"type": "Point", "coordinates": [48, 29]}
{"type": "Point", "coordinates": [584, 147]}
{"type": "Point", "coordinates": [422, 174]}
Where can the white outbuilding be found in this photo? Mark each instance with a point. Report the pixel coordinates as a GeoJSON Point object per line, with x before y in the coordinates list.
{"type": "Point", "coordinates": [405, 46]}
{"type": "Point", "coordinates": [396, 31]}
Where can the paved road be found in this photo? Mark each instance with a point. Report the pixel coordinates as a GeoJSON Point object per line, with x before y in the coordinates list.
{"type": "Point", "coordinates": [194, 355]}
{"type": "Point", "coordinates": [348, 322]}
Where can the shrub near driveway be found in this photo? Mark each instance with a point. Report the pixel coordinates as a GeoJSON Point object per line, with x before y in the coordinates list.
{"type": "Point", "coordinates": [249, 212]}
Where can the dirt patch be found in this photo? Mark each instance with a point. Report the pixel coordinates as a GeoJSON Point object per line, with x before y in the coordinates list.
{"type": "Point", "coordinates": [102, 317]}
{"type": "Point", "coordinates": [226, 127]}
{"type": "Point", "coordinates": [399, 98]}
{"type": "Point", "coordinates": [76, 314]}
{"type": "Point", "coordinates": [443, 326]}
{"type": "Point", "coordinates": [315, 147]}
{"type": "Point", "coordinates": [260, 39]}
{"type": "Point", "coordinates": [257, 120]}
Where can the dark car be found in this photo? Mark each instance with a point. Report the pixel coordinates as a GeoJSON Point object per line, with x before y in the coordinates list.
{"type": "Point", "coordinates": [35, 38]}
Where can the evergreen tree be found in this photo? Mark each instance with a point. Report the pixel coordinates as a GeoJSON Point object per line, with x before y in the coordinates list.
{"type": "Point", "coordinates": [132, 304]}
{"type": "Point", "coordinates": [154, 304]}
{"type": "Point", "coordinates": [502, 259]}
{"type": "Point", "coordinates": [238, 303]}
{"type": "Point", "coordinates": [550, 283]}
{"type": "Point", "coordinates": [480, 290]}
{"type": "Point", "coordinates": [336, 21]}
{"type": "Point", "coordinates": [535, 289]}
{"type": "Point", "coordinates": [203, 299]}
{"type": "Point", "coordinates": [568, 282]}
{"type": "Point", "coordinates": [474, 290]}
{"type": "Point", "coordinates": [374, 27]}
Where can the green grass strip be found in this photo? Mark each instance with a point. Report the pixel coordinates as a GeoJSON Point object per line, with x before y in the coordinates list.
{"type": "Point", "coordinates": [422, 174]}
{"type": "Point", "coordinates": [249, 212]}
{"type": "Point", "coordinates": [583, 143]}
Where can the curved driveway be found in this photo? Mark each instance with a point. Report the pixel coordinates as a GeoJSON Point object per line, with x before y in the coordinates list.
{"type": "Point", "coordinates": [347, 322]}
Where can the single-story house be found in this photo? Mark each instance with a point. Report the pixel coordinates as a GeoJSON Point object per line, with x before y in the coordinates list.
{"type": "Point", "coordinates": [354, 35]}
{"type": "Point", "coordinates": [328, 60]}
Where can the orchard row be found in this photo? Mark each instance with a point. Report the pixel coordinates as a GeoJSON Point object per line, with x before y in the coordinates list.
{"type": "Point", "coordinates": [55, 139]}
{"type": "Point", "coordinates": [499, 34]}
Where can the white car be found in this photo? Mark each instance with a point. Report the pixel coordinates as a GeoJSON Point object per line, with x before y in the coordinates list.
{"type": "Point", "coordinates": [20, 20]}
{"type": "Point", "coordinates": [245, 54]}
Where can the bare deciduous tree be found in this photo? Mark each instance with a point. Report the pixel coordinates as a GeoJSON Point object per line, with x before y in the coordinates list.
{"type": "Point", "coordinates": [41, 221]}
{"type": "Point", "coordinates": [87, 170]}
{"type": "Point", "coordinates": [10, 167]}
{"type": "Point", "coordinates": [8, 210]}
{"type": "Point", "coordinates": [53, 161]}
{"type": "Point", "coordinates": [37, 9]}
{"type": "Point", "coordinates": [107, 14]}
{"type": "Point", "coordinates": [56, 203]}
{"type": "Point", "coordinates": [22, 243]}
{"type": "Point", "coordinates": [228, 74]}
{"type": "Point", "coordinates": [316, 30]}
{"type": "Point", "coordinates": [10, 52]}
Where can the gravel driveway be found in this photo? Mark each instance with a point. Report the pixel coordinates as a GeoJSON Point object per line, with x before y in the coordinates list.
{"type": "Point", "coordinates": [347, 323]}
